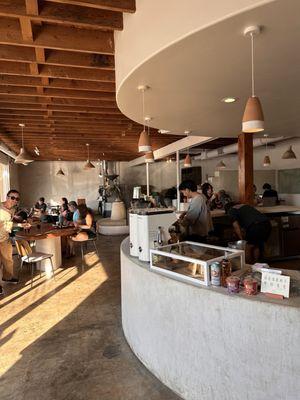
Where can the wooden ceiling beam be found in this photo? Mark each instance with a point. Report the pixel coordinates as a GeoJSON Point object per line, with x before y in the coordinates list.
{"type": "Point", "coordinates": [73, 15]}
{"type": "Point", "coordinates": [60, 108]}
{"type": "Point", "coordinates": [57, 83]}
{"type": "Point", "coordinates": [29, 100]}
{"type": "Point", "coordinates": [55, 93]}
{"type": "Point", "coordinates": [112, 5]}
{"type": "Point", "coordinates": [100, 75]}
{"type": "Point", "coordinates": [56, 57]}
{"type": "Point", "coordinates": [57, 37]}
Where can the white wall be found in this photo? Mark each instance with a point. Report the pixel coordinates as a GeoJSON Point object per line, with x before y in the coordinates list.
{"type": "Point", "coordinates": [39, 179]}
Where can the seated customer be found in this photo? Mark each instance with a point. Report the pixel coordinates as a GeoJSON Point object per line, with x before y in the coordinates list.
{"type": "Point", "coordinates": [86, 225]}
{"type": "Point", "coordinates": [197, 219]}
{"type": "Point", "coordinates": [269, 192]}
{"type": "Point", "coordinates": [220, 199]}
{"type": "Point", "coordinates": [40, 205]}
{"type": "Point", "coordinates": [208, 191]}
{"type": "Point", "coordinates": [251, 225]}
{"type": "Point", "coordinates": [74, 210]}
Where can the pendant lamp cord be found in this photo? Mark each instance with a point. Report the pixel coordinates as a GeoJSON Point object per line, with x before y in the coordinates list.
{"type": "Point", "coordinates": [22, 127]}
{"type": "Point", "coordinates": [252, 64]}
{"type": "Point", "coordinates": [143, 101]}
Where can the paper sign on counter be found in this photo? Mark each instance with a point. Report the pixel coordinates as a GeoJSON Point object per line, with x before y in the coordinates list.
{"type": "Point", "coordinates": [274, 283]}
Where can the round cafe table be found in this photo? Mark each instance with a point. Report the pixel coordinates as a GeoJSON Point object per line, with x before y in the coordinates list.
{"type": "Point", "coordinates": [48, 240]}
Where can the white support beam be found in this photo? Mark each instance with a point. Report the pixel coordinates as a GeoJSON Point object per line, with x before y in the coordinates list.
{"type": "Point", "coordinates": [166, 151]}
{"type": "Point", "coordinates": [178, 178]}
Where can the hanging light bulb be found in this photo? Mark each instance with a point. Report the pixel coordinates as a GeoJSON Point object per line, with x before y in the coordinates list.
{"type": "Point", "coordinates": [88, 165]}
{"type": "Point", "coordinates": [289, 154]}
{"type": "Point", "coordinates": [253, 119]}
{"type": "Point", "coordinates": [267, 160]}
{"type": "Point", "coordinates": [144, 140]}
{"type": "Point", "coordinates": [221, 165]}
{"type": "Point", "coordinates": [23, 157]}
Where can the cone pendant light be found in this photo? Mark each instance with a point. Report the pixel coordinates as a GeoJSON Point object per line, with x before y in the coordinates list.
{"type": "Point", "coordinates": [88, 165]}
{"type": "Point", "coordinates": [144, 140]}
{"type": "Point", "coordinates": [60, 172]}
{"type": "Point", "coordinates": [221, 165]}
{"type": "Point", "coordinates": [267, 160]}
{"type": "Point", "coordinates": [289, 154]}
{"type": "Point", "coordinates": [253, 119]}
{"type": "Point", "coordinates": [149, 158]}
{"type": "Point", "coordinates": [187, 161]}
{"type": "Point", "coordinates": [23, 157]}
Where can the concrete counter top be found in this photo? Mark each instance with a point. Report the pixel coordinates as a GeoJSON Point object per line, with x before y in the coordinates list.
{"type": "Point", "coordinates": [280, 209]}
{"type": "Point", "coordinates": [205, 344]}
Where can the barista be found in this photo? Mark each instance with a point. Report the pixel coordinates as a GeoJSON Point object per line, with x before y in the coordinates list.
{"type": "Point", "coordinates": [197, 220]}
{"type": "Point", "coordinates": [251, 225]}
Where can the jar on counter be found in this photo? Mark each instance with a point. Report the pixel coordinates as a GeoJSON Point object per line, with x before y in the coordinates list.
{"type": "Point", "coordinates": [225, 271]}
{"type": "Point", "coordinates": [233, 284]}
{"type": "Point", "coordinates": [250, 285]}
{"type": "Point", "coordinates": [215, 273]}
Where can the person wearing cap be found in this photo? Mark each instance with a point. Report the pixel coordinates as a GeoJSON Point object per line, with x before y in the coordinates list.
{"type": "Point", "coordinates": [7, 210]}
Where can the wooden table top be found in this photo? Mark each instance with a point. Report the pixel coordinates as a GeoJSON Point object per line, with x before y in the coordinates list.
{"type": "Point", "coordinates": [46, 231]}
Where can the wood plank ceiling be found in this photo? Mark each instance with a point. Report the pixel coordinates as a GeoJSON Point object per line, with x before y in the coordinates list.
{"type": "Point", "coordinates": [57, 76]}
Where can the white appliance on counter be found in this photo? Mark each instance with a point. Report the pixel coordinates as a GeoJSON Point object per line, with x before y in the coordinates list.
{"type": "Point", "coordinates": [147, 226]}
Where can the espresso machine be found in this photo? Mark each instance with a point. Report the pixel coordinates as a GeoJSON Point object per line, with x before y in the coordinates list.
{"type": "Point", "coordinates": [149, 228]}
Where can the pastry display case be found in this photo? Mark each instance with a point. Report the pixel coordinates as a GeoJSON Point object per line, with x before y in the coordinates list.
{"type": "Point", "coordinates": [191, 262]}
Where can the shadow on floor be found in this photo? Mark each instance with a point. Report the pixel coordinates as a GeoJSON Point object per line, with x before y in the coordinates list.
{"type": "Point", "coordinates": [83, 356]}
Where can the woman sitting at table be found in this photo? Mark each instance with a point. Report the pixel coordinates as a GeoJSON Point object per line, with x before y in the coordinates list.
{"type": "Point", "coordinates": [86, 226]}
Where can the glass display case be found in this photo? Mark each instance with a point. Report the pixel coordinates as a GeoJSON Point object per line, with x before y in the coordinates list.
{"type": "Point", "coordinates": [190, 261]}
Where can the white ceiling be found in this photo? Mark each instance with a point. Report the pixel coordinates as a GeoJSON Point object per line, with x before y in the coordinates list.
{"type": "Point", "coordinates": [188, 79]}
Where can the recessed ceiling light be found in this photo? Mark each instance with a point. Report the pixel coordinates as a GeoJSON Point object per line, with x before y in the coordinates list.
{"type": "Point", "coordinates": [229, 99]}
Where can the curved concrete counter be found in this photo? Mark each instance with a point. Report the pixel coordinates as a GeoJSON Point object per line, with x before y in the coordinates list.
{"type": "Point", "coordinates": [205, 344]}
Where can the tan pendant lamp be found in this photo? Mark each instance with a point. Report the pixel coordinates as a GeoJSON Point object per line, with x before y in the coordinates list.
{"type": "Point", "coordinates": [187, 161]}
{"type": "Point", "coordinates": [23, 157]}
{"type": "Point", "coordinates": [253, 119]}
{"type": "Point", "coordinates": [60, 172]}
{"type": "Point", "coordinates": [144, 140]}
{"type": "Point", "coordinates": [221, 165]}
{"type": "Point", "coordinates": [267, 160]}
{"type": "Point", "coordinates": [88, 165]}
{"type": "Point", "coordinates": [149, 158]}
{"type": "Point", "coordinates": [289, 154]}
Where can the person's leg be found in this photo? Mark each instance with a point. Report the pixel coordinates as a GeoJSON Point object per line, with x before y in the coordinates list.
{"type": "Point", "coordinates": [7, 259]}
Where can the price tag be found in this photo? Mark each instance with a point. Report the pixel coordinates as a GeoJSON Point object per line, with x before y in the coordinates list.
{"type": "Point", "coordinates": [276, 284]}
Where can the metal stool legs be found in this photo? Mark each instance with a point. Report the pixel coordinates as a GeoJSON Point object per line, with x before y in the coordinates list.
{"type": "Point", "coordinates": [52, 268]}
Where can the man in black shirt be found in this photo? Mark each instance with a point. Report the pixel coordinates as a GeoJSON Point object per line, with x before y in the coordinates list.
{"type": "Point", "coordinates": [251, 225]}
{"type": "Point", "coordinates": [269, 192]}
{"type": "Point", "coordinates": [41, 205]}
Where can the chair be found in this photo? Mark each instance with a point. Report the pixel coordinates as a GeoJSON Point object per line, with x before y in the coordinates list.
{"type": "Point", "coordinates": [85, 243]}
{"type": "Point", "coordinates": [27, 255]}
{"type": "Point", "coordinates": [81, 201]}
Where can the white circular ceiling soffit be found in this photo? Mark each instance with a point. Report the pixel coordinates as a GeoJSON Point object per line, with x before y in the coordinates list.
{"type": "Point", "coordinates": [190, 78]}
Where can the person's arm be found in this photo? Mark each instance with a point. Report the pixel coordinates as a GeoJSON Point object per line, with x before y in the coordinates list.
{"type": "Point", "coordinates": [237, 229]}
{"type": "Point", "coordinates": [88, 222]}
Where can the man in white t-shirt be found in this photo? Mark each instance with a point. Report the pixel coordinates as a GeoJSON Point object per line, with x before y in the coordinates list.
{"type": "Point", "coordinates": [7, 210]}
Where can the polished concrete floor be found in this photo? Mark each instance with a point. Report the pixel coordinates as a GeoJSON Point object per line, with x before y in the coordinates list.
{"type": "Point", "coordinates": [63, 340]}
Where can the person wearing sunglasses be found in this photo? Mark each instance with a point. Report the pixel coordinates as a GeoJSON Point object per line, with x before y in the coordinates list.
{"type": "Point", "coordinates": [7, 210]}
